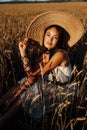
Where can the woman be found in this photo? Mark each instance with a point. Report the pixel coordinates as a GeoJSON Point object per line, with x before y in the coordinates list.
{"type": "Point", "coordinates": [42, 83]}
{"type": "Point", "coordinates": [55, 60]}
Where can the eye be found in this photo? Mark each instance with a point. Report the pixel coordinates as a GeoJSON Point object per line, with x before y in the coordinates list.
{"type": "Point", "coordinates": [47, 34]}
{"type": "Point", "coordinates": [55, 37]}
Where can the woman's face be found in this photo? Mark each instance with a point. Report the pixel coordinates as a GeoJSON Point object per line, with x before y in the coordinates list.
{"type": "Point", "coordinates": [51, 38]}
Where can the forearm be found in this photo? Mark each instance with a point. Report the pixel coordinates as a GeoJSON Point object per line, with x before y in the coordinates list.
{"type": "Point", "coordinates": [47, 67]}
{"type": "Point", "coordinates": [42, 70]}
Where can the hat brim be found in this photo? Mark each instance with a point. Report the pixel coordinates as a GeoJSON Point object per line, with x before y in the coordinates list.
{"type": "Point", "coordinates": [67, 21]}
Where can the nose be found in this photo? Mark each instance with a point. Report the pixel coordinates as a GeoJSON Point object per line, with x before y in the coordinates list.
{"type": "Point", "coordinates": [51, 39]}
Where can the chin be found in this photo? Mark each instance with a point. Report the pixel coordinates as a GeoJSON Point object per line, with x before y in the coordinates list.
{"type": "Point", "coordinates": [48, 47]}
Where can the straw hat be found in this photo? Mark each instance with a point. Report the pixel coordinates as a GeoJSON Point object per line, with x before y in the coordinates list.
{"type": "Point", "coordinates": [67, 21]}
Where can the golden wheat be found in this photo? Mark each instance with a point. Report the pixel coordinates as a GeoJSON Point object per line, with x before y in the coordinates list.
{"type": "Point", "coordinates": [14, 20]}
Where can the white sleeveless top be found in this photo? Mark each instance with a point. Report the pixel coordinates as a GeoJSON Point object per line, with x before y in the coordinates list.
{"type": "Point", "coordinates": [61, 73]}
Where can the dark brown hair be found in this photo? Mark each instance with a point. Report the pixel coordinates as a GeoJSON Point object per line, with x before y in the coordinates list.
{"type": "Point", "coordinates": [34, 52]}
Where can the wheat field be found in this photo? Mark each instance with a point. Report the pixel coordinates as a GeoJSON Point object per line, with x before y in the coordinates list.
{"type": "Point", "coordinates": [14, 20]}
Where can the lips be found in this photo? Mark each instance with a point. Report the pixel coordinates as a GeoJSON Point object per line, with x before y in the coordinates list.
{"type": "Point", "coordinates": [49, 43]}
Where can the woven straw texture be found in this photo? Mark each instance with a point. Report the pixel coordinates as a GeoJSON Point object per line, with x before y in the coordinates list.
{"type": "Point", "coordinates": [69, 22]}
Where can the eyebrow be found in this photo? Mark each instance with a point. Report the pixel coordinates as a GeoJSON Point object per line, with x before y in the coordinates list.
{"type": "Point", "coordinates": [50, 33]}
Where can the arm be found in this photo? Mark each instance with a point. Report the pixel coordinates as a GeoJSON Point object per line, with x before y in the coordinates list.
{"type": "Point", "coordinates": [56, 60]}
{"type": "Point", "coordinates": [25, 59]}
{"type": "Point", "coordinates": [11, 96]}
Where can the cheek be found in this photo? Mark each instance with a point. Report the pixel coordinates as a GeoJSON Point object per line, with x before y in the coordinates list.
{"type": "Point", "coordinates": [45, 40]}
{"type": "Point", "coordinates": [55, 43]}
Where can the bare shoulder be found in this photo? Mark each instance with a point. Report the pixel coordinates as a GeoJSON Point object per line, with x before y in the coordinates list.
{"type": "Point", "coordinates": [59, 53]}
{"type": "Point", "coordinates": [58, 57]}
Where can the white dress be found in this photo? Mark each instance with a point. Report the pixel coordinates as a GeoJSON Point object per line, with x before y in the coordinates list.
{"type": "Point", "coordinates": [47, 92]}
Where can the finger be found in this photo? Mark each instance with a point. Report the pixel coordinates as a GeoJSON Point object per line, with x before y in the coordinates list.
{"type": "Point", "coordinates": [26, 40]}
{"type": "Point", "coordinates": [31, 79]}
{"type": "Point", "coordinates": [21, 44]}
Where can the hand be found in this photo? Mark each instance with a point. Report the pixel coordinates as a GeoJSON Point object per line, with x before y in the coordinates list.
{"type": "Point", "coordinates": [29, 81]}
{"type": "Point", "coordinates": [22, 47]}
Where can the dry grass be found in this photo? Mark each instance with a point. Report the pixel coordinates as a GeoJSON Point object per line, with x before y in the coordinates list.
{"type": "Point", "coordinates": [14, 20]}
